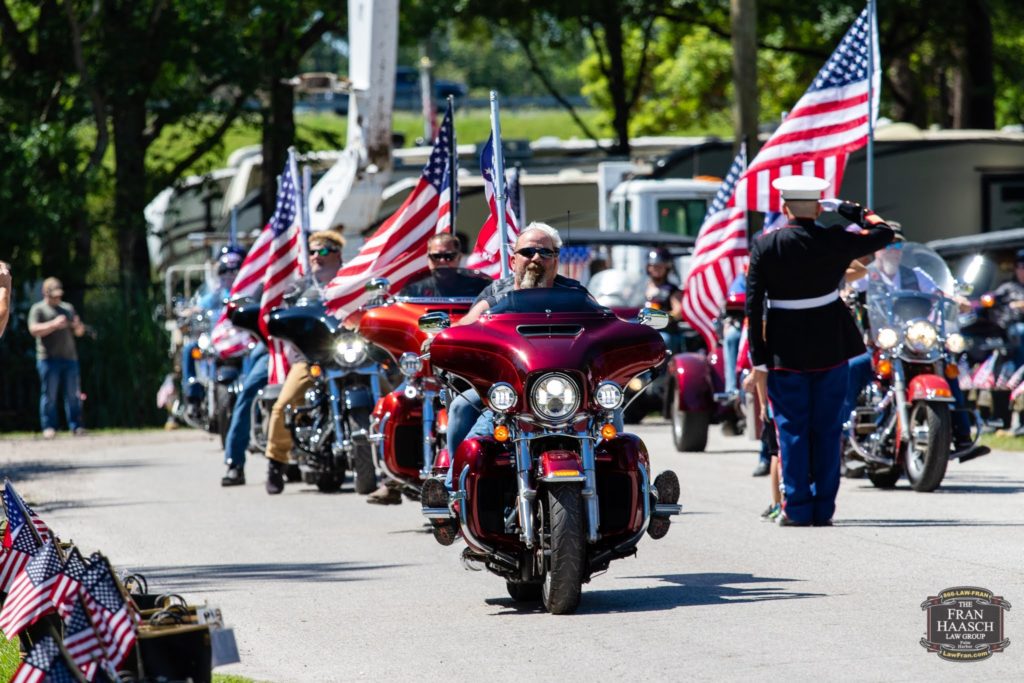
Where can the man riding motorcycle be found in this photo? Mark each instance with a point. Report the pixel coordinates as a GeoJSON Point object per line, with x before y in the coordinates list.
{"type": "Point", "coordinates": [895, 276]}
{"type": "Point", "coordinates": [444, 278]}
{"type": "Point", "coordinates": [1010, 296]}
{"type": "Point", "coordinates": [324, 259]}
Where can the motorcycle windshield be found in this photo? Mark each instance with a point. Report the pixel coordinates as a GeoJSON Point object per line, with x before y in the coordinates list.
{"type": "Point", "coordinates": [619, 288]}
{"type": "Point", "coordinates": [548, 300]}
{"type": "Point", "coordinates": [910, 282]}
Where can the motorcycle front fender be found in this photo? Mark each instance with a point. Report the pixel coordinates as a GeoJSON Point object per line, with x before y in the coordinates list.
{"type": "Point", "coordinates": [929, 387]}
{"type": "Point", "coordinates": [694, 389]}
{"type": "Point", "coordinates": [561, 466]}
{"type": "Point", "coordinates": [358, 397]}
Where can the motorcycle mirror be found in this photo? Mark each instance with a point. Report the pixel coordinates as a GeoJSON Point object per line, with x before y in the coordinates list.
{"type": "Point", "coordinates": [435, 322]}
{"type": "Point", "coordinates": [652, 317]}
{"type": "Point", "coordinates": [378, 285]}
{"type": "Point", "coordinates": [963, 288]}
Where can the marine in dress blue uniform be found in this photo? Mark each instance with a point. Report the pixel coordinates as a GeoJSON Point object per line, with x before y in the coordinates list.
{"type": "Point", "coordinates": [801, 336]}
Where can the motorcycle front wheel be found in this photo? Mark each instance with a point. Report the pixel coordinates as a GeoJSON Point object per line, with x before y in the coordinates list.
{"type": "Point", "coordinates": [364, 476]}
{"type": "Point", "coordinates": [927, 457]}
{"type": "Point", "coordinates": [563, 580]}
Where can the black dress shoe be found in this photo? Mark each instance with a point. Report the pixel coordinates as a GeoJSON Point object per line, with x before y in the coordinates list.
{"type": "Point", "coordinates": [762, 469]}
{"type": "Point", "coordinates": [827, 522]}
{"type": "Point", "coordinates": [971, 452]}
{"type": "Point", "coordinates": [275, 477]}
{"type": "Point", "coordinates": [235, 476]}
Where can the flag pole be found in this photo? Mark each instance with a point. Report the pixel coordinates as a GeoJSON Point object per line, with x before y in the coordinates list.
{"type": "Point", "coordinates": [453, 169]}
{"type": "Point", "coordinates": [872, 9]}
{"type": "Point", "coordinates": [302, 196]}
{"type": "Point", "coordinates": [499, 184]}
{"type": "Point", "coordinates": [233, 234]}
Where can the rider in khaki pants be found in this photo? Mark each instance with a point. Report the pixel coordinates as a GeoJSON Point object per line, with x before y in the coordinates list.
{"type": "Point", "coordinates": [324, 260]}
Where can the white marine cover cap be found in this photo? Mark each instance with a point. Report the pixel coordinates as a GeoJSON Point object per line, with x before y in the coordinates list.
{"type": "Point", "coordinates": [800, 187]}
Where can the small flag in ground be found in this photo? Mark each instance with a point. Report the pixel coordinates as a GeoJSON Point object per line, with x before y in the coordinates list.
{"type": "Point", "coordinates": [112, 616]}
{"type": "Point", "coordinates": [44, 663]}
{"type": "Point", "coordinates": [31, 594]}
{"type": "Point", "coordinates": [80, 638]}
{"type": "Point", "coordinates": [486, 256]}
{"type": "Point", "coordinates": [398, 249]}
{"type": "Point", "coordinates": [69, 582]}
{"type": "Point", "coordinates": [19, 542]}
{"type": "Point", "coordinates": [985, 376]}
{"type": "Point", "coordinates": [13, 498]}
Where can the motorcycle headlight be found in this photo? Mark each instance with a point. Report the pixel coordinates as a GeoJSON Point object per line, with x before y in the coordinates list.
{"type": "Point", "coordinates": [410, 364]}
{"type": "Point", "coordinates": [608, 395]}
{"type": "Point", "coordinates": [203, 341]}
{"type": "Point", "coordinates": [555, 396]}
{"type": "Point", "coordinates": [921, 336]}
{"type": "Point", "coordinates": [350, 350]}
{"type": "Point", "coordinates": [956, 343]}
{"type": "Point", "coordinates": [887, 338]}
{"type": "Point", "coordinates": [502, 397]}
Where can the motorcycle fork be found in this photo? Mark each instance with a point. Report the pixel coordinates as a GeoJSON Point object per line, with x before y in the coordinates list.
{"type": "Point", "coordinates": [900, 389]}
{"type": "Point", "coordinates": [338, 417]}
{"type": "Point", "coordinates": [527, 495]}
{"type": "Point", "coordinates": [590, 486]}
{"type": "Point", "coordinates": [428, 433]}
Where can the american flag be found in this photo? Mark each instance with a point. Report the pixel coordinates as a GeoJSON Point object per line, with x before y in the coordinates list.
{"type": "Point", "coordinates": [573, 262]}
{"type": "Point", "coordinates": [69, 582]}
{"type": "Point", "coordinates": [449, 184]}
{"type": "Point", "coordinates": [44, 663]}
{"type": "Point", "coordinates": [283, 267]}
{"type": "Point", "coordinates": [828, 123]}
{"type": "Point", "coordinates": [80, 639]}
{"type": "Point", "coordinates": [31, 594]}
{"type": "Point", "coordinates": [12, 497]}
{"type": "Point", "coordinates": [719, 255]}
{"type": "Point", "coordinates": [398, 249]}
{"type": "Point", "coordinates": [19, 542]}
{"type": "Point", "coordinates": [985, 376]}
{"type": "Point", "coordinates": [111, 615]}
{"type": "Point", "coordinates": [486, 256]}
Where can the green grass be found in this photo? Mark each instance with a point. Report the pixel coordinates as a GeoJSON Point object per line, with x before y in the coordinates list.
{"type": "Point", "coordinates": [64, 435]}
{"type": "Point", "coordinates": [9, 658]}
{"type": "Point", "coordinates": [1003, 442]}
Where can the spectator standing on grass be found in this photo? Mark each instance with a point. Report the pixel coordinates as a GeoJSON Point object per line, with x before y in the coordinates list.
{"type": "Point", "coordinates": [55, 325]}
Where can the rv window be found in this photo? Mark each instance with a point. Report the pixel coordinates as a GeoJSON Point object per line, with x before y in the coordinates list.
{"type": "Point", "coordinates": [681, 216]}
{"type": "Point", "coordinates": [619, 216]}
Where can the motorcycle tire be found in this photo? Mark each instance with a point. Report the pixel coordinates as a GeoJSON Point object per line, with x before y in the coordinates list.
{"type": "Point", "coordinates": [927, 470]}
{"type": "Point", "coordinates": [563, 580]}
{"type": "Point", "coordinates": [329, 482]}
{"type": "Point", "coordinates": [689, 429]}
{"type": "Point", "coordinates": [885, 478]}
{"type": "Point", "coordinates": [293, 475]}
{"type": "Point", "coordinates": [364, 475]}
{"type": "Point", "coordinates": [225, 403]}
{"type": "Point", "coordinates": [523, 592]}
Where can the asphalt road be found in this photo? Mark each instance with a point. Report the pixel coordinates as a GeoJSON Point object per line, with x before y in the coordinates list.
{"type": "Point", "coordinates": [325, 587]}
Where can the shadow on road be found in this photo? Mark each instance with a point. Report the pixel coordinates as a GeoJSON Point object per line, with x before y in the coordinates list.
{"type": "Point", "coordinates": [681, 590]}
{"type": "Point", "coordinates": [919, 523]}
{"type": "Point", "coordinates": [209, 575]}
{"type": "Point", "coordinates": [33, 469]}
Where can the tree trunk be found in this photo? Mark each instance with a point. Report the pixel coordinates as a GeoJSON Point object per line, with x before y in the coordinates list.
{"type": "Point", "coordinates": [744, 75]}
{"type": "Point", "coordinates": [128, 116]}
{"type": "Point", "coordinates": [278, 134]}
{"type": "Point", "coordinates": [974, 85]}
{"type": "Point", "coordinates": [906, 92]}
{"type": "Point", "coordinates": [613, 39]}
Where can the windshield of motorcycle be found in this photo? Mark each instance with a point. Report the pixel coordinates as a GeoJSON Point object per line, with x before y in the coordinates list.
{"type": "Point", "coordinates": [548, 300]}
{"type": "Point", "coordinates": [619, 288]}
{"type": "Point", "coordinates": [909, 281]}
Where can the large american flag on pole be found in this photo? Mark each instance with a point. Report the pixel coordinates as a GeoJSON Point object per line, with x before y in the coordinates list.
{"type": "Point", "coordinates": [449, 184]}
{"type": "Point", "coordinates": [718, 256]}
{"type": "Point", "coordinates": [284, 263]}
{"type": "Point", "coordinates": [398, 249]}
{"type": "Point", "coordinates": [828, 123]}
{"type": "Point", "coordinates": [486, 254]}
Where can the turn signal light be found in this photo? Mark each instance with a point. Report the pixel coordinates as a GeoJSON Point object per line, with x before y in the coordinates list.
{"type": "Point", "coordinates": [952, 371]}
{"type": "Point", "coordinates": [608, 431]}
{"type": "Point", "coordinates": [564, 473]}
{"type": "Point", "coordinates": [196, 353]}
{"type": "Point", "coordinates": [501, 433]}
{"type": "Point", "coordinates": [941, 392]}
{"type": "Point", "coordinates": [315, 370]}
{"type": "Point", "coordinates": [988, 301]}
{"type": "Point", "coordinates": [884, 368]}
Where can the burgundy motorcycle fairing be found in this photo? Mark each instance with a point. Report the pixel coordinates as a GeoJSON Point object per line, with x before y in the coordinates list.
{"type": "Point", "coordinates": [399, 419]}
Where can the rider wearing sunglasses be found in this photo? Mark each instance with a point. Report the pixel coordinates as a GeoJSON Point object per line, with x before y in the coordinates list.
{"type": "Point", "coordinates": [444, 277]}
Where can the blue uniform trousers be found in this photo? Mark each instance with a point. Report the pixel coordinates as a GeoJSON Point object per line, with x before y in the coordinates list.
{"type": "Point", "coordinates": [808, 410]}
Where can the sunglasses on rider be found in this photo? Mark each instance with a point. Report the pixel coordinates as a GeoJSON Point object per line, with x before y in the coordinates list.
{"type": "Point", "coordinates": [443, 256]}
{"type": "Point", "coordinates": [324, 251]}
{"type": "Point", "coordinates": [530, 252]}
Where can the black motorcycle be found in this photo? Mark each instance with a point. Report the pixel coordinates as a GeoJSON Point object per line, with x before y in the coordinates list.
{"type": "Point", "coordinates": [331, 430]}
{"type": "Point", "coordinates": [216, 382]}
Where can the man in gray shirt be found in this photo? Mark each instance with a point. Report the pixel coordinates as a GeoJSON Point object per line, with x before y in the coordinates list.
{"type": "Point", "coordinates": [55, 325]}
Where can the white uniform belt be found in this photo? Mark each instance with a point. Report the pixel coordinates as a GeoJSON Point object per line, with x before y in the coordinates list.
{"type": "Point", "coordinates": [802, 304]}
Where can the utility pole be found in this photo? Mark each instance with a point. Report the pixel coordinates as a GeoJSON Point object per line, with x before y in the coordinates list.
{"type": "Point", "coordinates": [744, 74]}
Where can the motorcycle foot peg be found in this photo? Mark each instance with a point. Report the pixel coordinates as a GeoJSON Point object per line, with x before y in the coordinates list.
{"type": "Point", "coordinates": [434, 494]}
{"type": "Point", "coordinates": [472, 561]}
{"type": "Point", "coordinates": [667, 486]}
{"type": "Point", "coordinates": [445, 531]}
{"type": "Point", "coordinates": [658, 527]}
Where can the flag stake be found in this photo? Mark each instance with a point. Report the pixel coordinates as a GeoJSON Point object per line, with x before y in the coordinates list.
{"type": "Point", "coordinates": [499, 184]}
{"type": "Point", "coordinates": [302, 196]}
{"type": "Point", "coordinates": [453, 165]}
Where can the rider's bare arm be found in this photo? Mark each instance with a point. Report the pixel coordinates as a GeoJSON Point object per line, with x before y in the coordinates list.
{"type": "Point", "coordinates": [478, 309]}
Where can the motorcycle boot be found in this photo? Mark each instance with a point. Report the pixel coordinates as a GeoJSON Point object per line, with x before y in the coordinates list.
{"type": "Point", "coordinates": [388, 493]}
{"type": "Point", "coordinates": [275, 477]}
{"type": "Point", "coordinates": [235, 476]}
{"type": "Point", "coordinates": [666, 492]}
{"type": "Point", "coordinates": [435, 495]}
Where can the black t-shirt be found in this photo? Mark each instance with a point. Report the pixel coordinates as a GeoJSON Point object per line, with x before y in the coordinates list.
{"type": "Point", "coordinates": [447, 282]}
{"type": "Point", "coordinates": [499, 289]}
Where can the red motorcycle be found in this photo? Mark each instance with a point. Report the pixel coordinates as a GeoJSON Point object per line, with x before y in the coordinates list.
{"type": "Point", "coordinates": [555, 493]}
{"type": "Point", "coordinates": [408, 425]}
